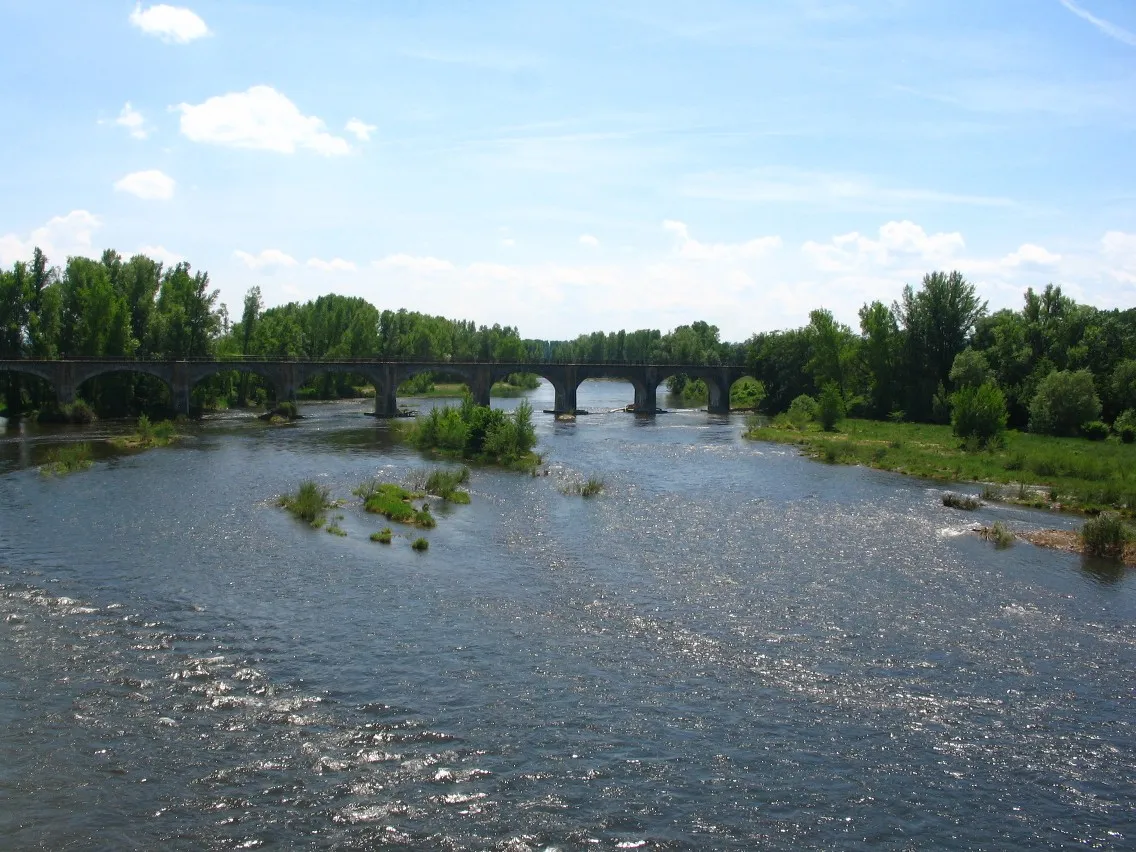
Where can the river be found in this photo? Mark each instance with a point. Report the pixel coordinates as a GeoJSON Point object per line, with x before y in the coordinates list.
{"type": "Point", "coordinates": [731, 648]}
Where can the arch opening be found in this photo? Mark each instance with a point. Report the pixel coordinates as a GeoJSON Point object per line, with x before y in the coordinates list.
{"type": "Point", "coordinates": [234, 387]}
{"type": "Point", "coordinates": [126, 393]}
{"type": "Point", "coordinates": [23, 392]}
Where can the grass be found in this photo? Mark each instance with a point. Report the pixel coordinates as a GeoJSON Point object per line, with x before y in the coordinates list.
{"type": "Point", "coordinates": [1104, 536]}
{"type": "Point", "coordinates": [420, 544]}
{"type": "Point", "coordinates": [383, 536]}
{"type": "Point", "coordinates": [310, 503]}
{"type": "Point", "coordinates": [593, 487]}
{"type": "Point", "coordinates": [394, 503]}
{"type": "Point", "coordinates": [443, 482]}
{"type": "Point", "coordinates": [147, 435]}
{"type": "Point", "coordinates": [999, 534]}
{"type": "Point", "coordinates": [68, 459]}
{"type": "Point", "coordinates": [961, 501]}
{"type": "Point", "coordinates": [1090, 476]}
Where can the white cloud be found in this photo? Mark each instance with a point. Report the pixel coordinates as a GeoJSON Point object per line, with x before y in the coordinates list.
{"type": "Point", "coordinates": [266, 259]}
{"type": "Point", "coordinates": [132, 120]}
{"type": "Point", "coordinates": [691, 249]}
{"type": "Point", "coordinates": [360, 129]}
{"type": "Point", "coordinates": [60, 238]}
{"type": "Point", "coordinates": [174, 24]}
{"type": "Point", "coordinates": [411, 263]}
{"type": "Point", "coordinates": [336, 264]}
{"type": "Point", "coordinates": [588, 240]}
{"type": "Point", "coordinates": [1030, 255]}
{"type": "Point", "coordinates": [161, 254]}
{"type": "Point", "coordinates": [1119, 250]}
{"type": "Point", "coordinates": [260, 119]}
{"type": "Point", "coordinates": [899, 243]}
{"type": "Point", "coordinates": [1109, 29]}
{"type": "Point", "coordinates": [508, 242]}
{"type": "Point", "coordinates": [151, 185]}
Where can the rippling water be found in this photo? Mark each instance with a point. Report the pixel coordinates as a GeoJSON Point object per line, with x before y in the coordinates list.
{"type": "Point", "coordinates": [732, 648]}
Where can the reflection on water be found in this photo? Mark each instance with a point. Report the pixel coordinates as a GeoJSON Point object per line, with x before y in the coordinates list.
{"type": "Point", "coordinates": [731, 648]}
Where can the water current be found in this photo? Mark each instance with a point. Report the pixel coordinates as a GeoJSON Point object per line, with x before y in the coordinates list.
{"type": "Point", "coordinates": [731, 648]}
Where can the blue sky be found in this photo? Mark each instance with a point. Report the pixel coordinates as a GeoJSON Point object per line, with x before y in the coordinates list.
{"type": "Point", "coordinates": [572, 166]}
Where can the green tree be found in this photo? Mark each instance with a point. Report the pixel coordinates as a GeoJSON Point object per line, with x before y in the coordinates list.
{"type": "Point", "coordinates": [830, 407]}
{"type": "Point", "coordinates": [970, 369]}
{"type": "Point", "coordinates": [1064, 400]}
{"type": "Point", "coordinates": [881, 347]}
{"type": "Point", "coordinates": [937, 320]}
{"type": "Point", "coordinates": [979, 411]}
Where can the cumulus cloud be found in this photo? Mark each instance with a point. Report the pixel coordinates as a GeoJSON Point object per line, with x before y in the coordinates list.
{"type": "Point", "coordinates": [151, 185]}
{"type": "Point", "coordinates": [336, 264]}
{"type": "Point", "coordinates": [60, 238]}
{"type": "Point", "coordinates": [898, 242]}
{"type": "Point", "coordinates": [588, 240]}
{"type": "Point", "coordinates": [691, 249]}
{"type": "Point", "coordinates": [412, 263]}
{"type": "Point", "coordinates": [1030, 255]}
{"type": "Point", "coordinates": [259, 119]}
{"type": "Point", "coordinates": [266, 259]}
{"type": "Point", "coordinates": [161, 254]}
{"type": "Point", "coordinates": [132, 120]}
{"type": "Point", "coordinates": [173, 24]}
{"type": "Point", "coordinates": [360, 129]}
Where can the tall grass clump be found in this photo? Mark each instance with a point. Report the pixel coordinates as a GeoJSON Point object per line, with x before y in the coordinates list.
{"type": "Point", "coordinates": [443, 482]}
{"type": "Point", "coordinates": [420, 544]}
{"type": "Point", "coordinates": [68, 459]}
{"type": "Point", "coordinates": [999, 534]}
{"type": "Point", "coordinates": [1104, 536]}
{"type": "Point", "coordinates": [310, 502]}
{"type": "Point", "coordinates": [478, 432]}
{"type": "Point", "coordinates": [592, 487]}
{"type": "Point", "coordinates": [966, 502]}
{"type": "Point", "coordinates": [383, 536]}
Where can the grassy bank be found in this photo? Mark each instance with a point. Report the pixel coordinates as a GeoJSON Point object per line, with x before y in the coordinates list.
{"type": "Point", "coordinates": [1037, 470]}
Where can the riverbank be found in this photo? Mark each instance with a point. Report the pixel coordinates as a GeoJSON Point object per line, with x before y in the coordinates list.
{"type": "Point", "coordinates": [1067, 474]}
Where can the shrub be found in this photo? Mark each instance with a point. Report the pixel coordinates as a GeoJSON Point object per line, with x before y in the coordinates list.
{"type": "Point", "coordinates": [999, 534]}
{"type": "Point", "coordinates": [1104, 535]}
{"type": "Point", "coordinates": [802, 410]}
{"type": "Point", "coordinates": [68, 459]}
{"type": "Point", "coordinates": [970, 369]}
{"type": "Point", "coordinates": [979, 412]}
{"type": "Point", "coordinates": [477, 431]}
{"type": "Point", "coordinates": [1063, 401]}
{"type": "Point", "coordinates": [1125, 424]}
{"type": "Point", "coordinates": [965, 502]}
{"type": "Point", "coordinates": [420, 544]}
{"type": "Point", "coordinates": [1094, 430]}
{"type": "Point", "coordinates": [830, 409]}
{"type": "Point", "coordinates": [309, 503]}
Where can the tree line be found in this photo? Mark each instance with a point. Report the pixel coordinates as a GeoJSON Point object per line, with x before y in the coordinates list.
{"type": "Point", "coordinates": [902, 362]}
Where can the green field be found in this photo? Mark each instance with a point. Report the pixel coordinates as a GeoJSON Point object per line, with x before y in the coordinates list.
{"type": "Point", "coordinates": [1061, 473]}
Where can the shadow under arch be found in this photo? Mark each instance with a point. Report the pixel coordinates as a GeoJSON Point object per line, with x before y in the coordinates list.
{"type": "Point", "coordinates": [126, 390]}
{"type": "Point", "coordinates": [24, 389]}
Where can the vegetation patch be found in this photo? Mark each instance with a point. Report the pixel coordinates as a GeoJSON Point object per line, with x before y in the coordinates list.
{"type": "Point", "coordinates": [77, 413]}
{"type": "Point", "coordinates": [420, 544]}
{"type": "Point", "coordinates": [394, 503]}
{"type": "Point", "coordinates": [281, 412]}
{"type": "Point", "coordinates": [592, 487]}
{"type": "Point", "coordinates": [1023, 468]}
{"type": "Point", "coordinates": [1073, 541]}
{"type": "Point", "coordinates": [68, 459]}
{"type": "Point", "coordinates": [443, 482]}
{"type": "Point", "coordinates": [383, 536]}
{"type": "Point", "coordinates": [966, 502]}
{"type": "Point", "coordinates": [309, 503]}
{"type": "Point", "coordinates": [1105, 536]}
{"type": "Point", "coordinates": [478, 433]}
{"type": "Point", "coordinates": [999, 534]}
{"type": "Point", "coordinates": [148, 435]}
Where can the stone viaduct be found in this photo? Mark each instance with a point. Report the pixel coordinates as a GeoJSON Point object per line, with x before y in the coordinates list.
{"type": "Point", "coordinates": [287, 376]}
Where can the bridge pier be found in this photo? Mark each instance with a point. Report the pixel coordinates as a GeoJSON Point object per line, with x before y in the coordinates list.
{"type": "Point", "coordinates": [719, 402]}
{"type": "Point", "coordinates": [565, 383]}
{"type": "Point", "coordinates": [480, 384]}
{"type": "Point", "coordinates": [646, 398]}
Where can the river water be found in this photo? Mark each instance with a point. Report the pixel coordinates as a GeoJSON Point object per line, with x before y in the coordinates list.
{"type": "Point", "coordinates": [731, 648]}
